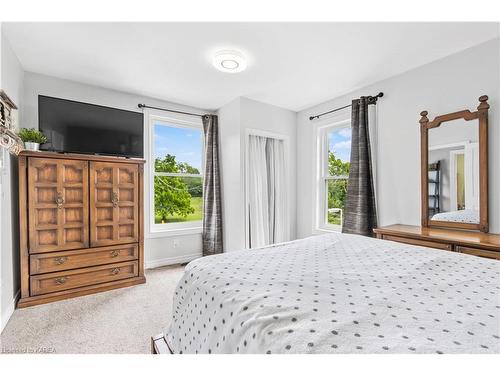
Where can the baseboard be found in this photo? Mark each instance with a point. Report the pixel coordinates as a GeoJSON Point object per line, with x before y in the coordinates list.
{"type": "Point", "coordinates": [7, 313]}
{"type": "Point", "coordinates": [172, 260]}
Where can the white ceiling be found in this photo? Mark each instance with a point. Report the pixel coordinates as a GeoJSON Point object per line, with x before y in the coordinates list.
{"type": "Point", "coordinates": [291, 65]}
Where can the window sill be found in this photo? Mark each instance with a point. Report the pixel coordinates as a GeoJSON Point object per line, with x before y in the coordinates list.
{"type": "Point", "coordinates": [161, 233]}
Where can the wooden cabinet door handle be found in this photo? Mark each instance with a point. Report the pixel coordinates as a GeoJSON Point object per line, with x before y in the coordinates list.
{"type": "Point", "coordinates": [115, 253]}
{"type": "Point", "coordinates": [115, 271]}
{"type": "Point", "coordinates": [60, 200]}
{"type": "Point", "coordinates": [60, 280]}
{"type": "Point", "coordinates": [60, 260]}
{"type": "Point", "coordinates": [115, 199]}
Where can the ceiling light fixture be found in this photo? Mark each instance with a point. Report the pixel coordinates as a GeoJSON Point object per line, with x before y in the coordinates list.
{"type": "Point", "coordinates": [229, 61]}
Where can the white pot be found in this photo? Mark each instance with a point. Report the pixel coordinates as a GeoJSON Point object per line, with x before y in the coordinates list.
{"type": "Point", "coordinates": [32, 146]}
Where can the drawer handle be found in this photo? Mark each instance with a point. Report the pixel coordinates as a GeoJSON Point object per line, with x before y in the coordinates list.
{"type": "Point", "coordinates": [60, 280]}
{"type": "Point", "coordinates": [115, 253]}
{"type": "Point", "coordinates": [115, 271]}
{"type": "Point", "coordinates": [115, 199]}
{"type": "Point", "coordinates": [59, 200]}
{"type": "Point", "coordinates": [60, 260]}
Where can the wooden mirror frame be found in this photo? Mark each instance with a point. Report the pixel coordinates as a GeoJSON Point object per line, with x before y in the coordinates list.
{"type": "Point", "coordinates": [482, 115]}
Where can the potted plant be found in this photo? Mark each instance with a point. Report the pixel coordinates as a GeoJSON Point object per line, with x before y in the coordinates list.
{"type": "Point", "coordinates": [32, 138]}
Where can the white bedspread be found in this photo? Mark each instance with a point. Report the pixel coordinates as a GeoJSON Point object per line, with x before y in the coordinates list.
{"type": "Point", "coordinates": [338, 293]}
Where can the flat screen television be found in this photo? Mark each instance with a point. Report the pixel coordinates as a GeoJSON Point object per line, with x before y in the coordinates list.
{"type": "Point", "coordinates": [87, 128]}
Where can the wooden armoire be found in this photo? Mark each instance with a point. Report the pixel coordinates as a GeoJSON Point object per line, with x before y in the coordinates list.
{"type": "Point", "coordinates": [81, 225]}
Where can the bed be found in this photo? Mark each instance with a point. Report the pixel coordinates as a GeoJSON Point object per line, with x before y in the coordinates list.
{"type": "Point", "coordinates": [337, 293]}
{"type": "Point", "coordinates": [461, 216]}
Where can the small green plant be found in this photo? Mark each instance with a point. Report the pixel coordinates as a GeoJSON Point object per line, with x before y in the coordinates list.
{"type": "Point", "coordinates": [32, 135]}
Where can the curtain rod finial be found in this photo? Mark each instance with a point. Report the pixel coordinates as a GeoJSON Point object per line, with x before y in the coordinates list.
{"type": "Point", "coordinates": [380, 94]}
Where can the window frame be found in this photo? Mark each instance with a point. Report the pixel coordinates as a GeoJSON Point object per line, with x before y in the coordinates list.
{"type": "Point", "coordinates": [323, 176]}
{"type": "Point", "coordinates": [190, 227]}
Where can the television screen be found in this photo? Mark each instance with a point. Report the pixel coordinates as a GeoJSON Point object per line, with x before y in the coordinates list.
{"type": "Point", "coordinates": [86, 128]}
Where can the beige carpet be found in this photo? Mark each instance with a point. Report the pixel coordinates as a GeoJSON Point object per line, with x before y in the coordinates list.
{"type": "Point", "coordinates": [118, 321]}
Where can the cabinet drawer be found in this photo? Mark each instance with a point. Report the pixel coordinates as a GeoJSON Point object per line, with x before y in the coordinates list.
{"type": "Point", "coordinates": [57, 281]}
{"type": "Point", "coordinates": [479, 252]}
{"type": "Point", "coordinates": [411, 241]}
{"type": "Point", "coordinates": [68, 260]}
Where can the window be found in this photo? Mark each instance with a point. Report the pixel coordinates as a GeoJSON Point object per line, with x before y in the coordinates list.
{"type": "Point", "coordinates": [334, 158]}
{"type": "Point", "coordinates": [177, 154]}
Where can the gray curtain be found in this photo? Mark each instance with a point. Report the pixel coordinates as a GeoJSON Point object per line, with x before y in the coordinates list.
{"type": "Point", "coordinates": [360, 214]}
{"type": "Point", "coordinates": [212, 211]}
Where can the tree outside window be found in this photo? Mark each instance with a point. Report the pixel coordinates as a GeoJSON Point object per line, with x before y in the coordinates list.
{"type": "Point", "coordinates": [178, 182]}
{"type": "Point", "coordinates": [337, 174]}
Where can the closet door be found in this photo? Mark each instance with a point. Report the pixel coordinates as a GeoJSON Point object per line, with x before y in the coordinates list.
{"type": "Point", "coordinates": [114, 202]}
{"type": "Point", "coordinates": [58, 204]}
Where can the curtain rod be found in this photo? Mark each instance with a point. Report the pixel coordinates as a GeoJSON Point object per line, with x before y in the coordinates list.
{"type": "Point", "coordinates": [371, 100]}
{"type": "Point", "coordinates": [169, 110]}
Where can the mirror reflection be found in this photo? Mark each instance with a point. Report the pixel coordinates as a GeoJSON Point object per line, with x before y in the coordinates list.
{"type": "Point", "coordinates": [454, 172]}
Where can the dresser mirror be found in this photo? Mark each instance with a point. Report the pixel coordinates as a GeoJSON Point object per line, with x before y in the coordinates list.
{"type": "Point", "coordinates": [454, 169]}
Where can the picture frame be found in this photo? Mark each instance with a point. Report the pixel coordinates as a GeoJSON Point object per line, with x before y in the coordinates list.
{"type": "Point", "coordinates": [7, 111]}
{"type": "Point", "coordinates": [9, 140]}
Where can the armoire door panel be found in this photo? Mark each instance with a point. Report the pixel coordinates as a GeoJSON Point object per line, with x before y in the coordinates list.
{"type": "Point", "coordinates": [73, 215]}
{"type": "Point", "coordinates": [127, 213]}
{"type": "Point", "coordinates": [114, 200]}
{"type": "Point", "coordinates": [58, 204]}
{"type": "Point", "coordinates": [46, 194]}
{"type": "Point", "coordinates": [45, 171]}
{"type": "Point", "coordinates": [73, 195]}
{"type": "Point", "coordinates": [73, 174]}
{"type": "Point", "coordinates": [126, 194]}
{"type": "Point", "coordinates": [127, 176]}
{"type": "Point", "coordinates": [45, 216]}
{"type": "Point", "coordinates": [104, 195]}
{"type": "Point", "coordinates": [104, 174]}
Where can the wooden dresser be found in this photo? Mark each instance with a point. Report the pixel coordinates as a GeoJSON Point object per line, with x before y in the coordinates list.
{"type": "Point", "coordinates": [474, 243]}
{"type": "Point", "coordinates": [81, 225]}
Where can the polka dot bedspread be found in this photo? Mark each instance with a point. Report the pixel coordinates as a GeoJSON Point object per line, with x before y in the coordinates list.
{"type": "Point", "coordinates": [462, 216]}
{"type": "Point", "coordinates": [337, 293]}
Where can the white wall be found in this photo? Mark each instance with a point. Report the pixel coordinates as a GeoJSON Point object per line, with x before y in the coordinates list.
{"type": "Point", "coordinates": [231, 175]}
{"type": "Point", "coordinates": [11, 82]}
{"type": "Point", "coordinates": [447, 85]}
{"type": "Point", "coordinates": [159, 248]}
{"type": "Point", "coordinates": [235, 119]}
